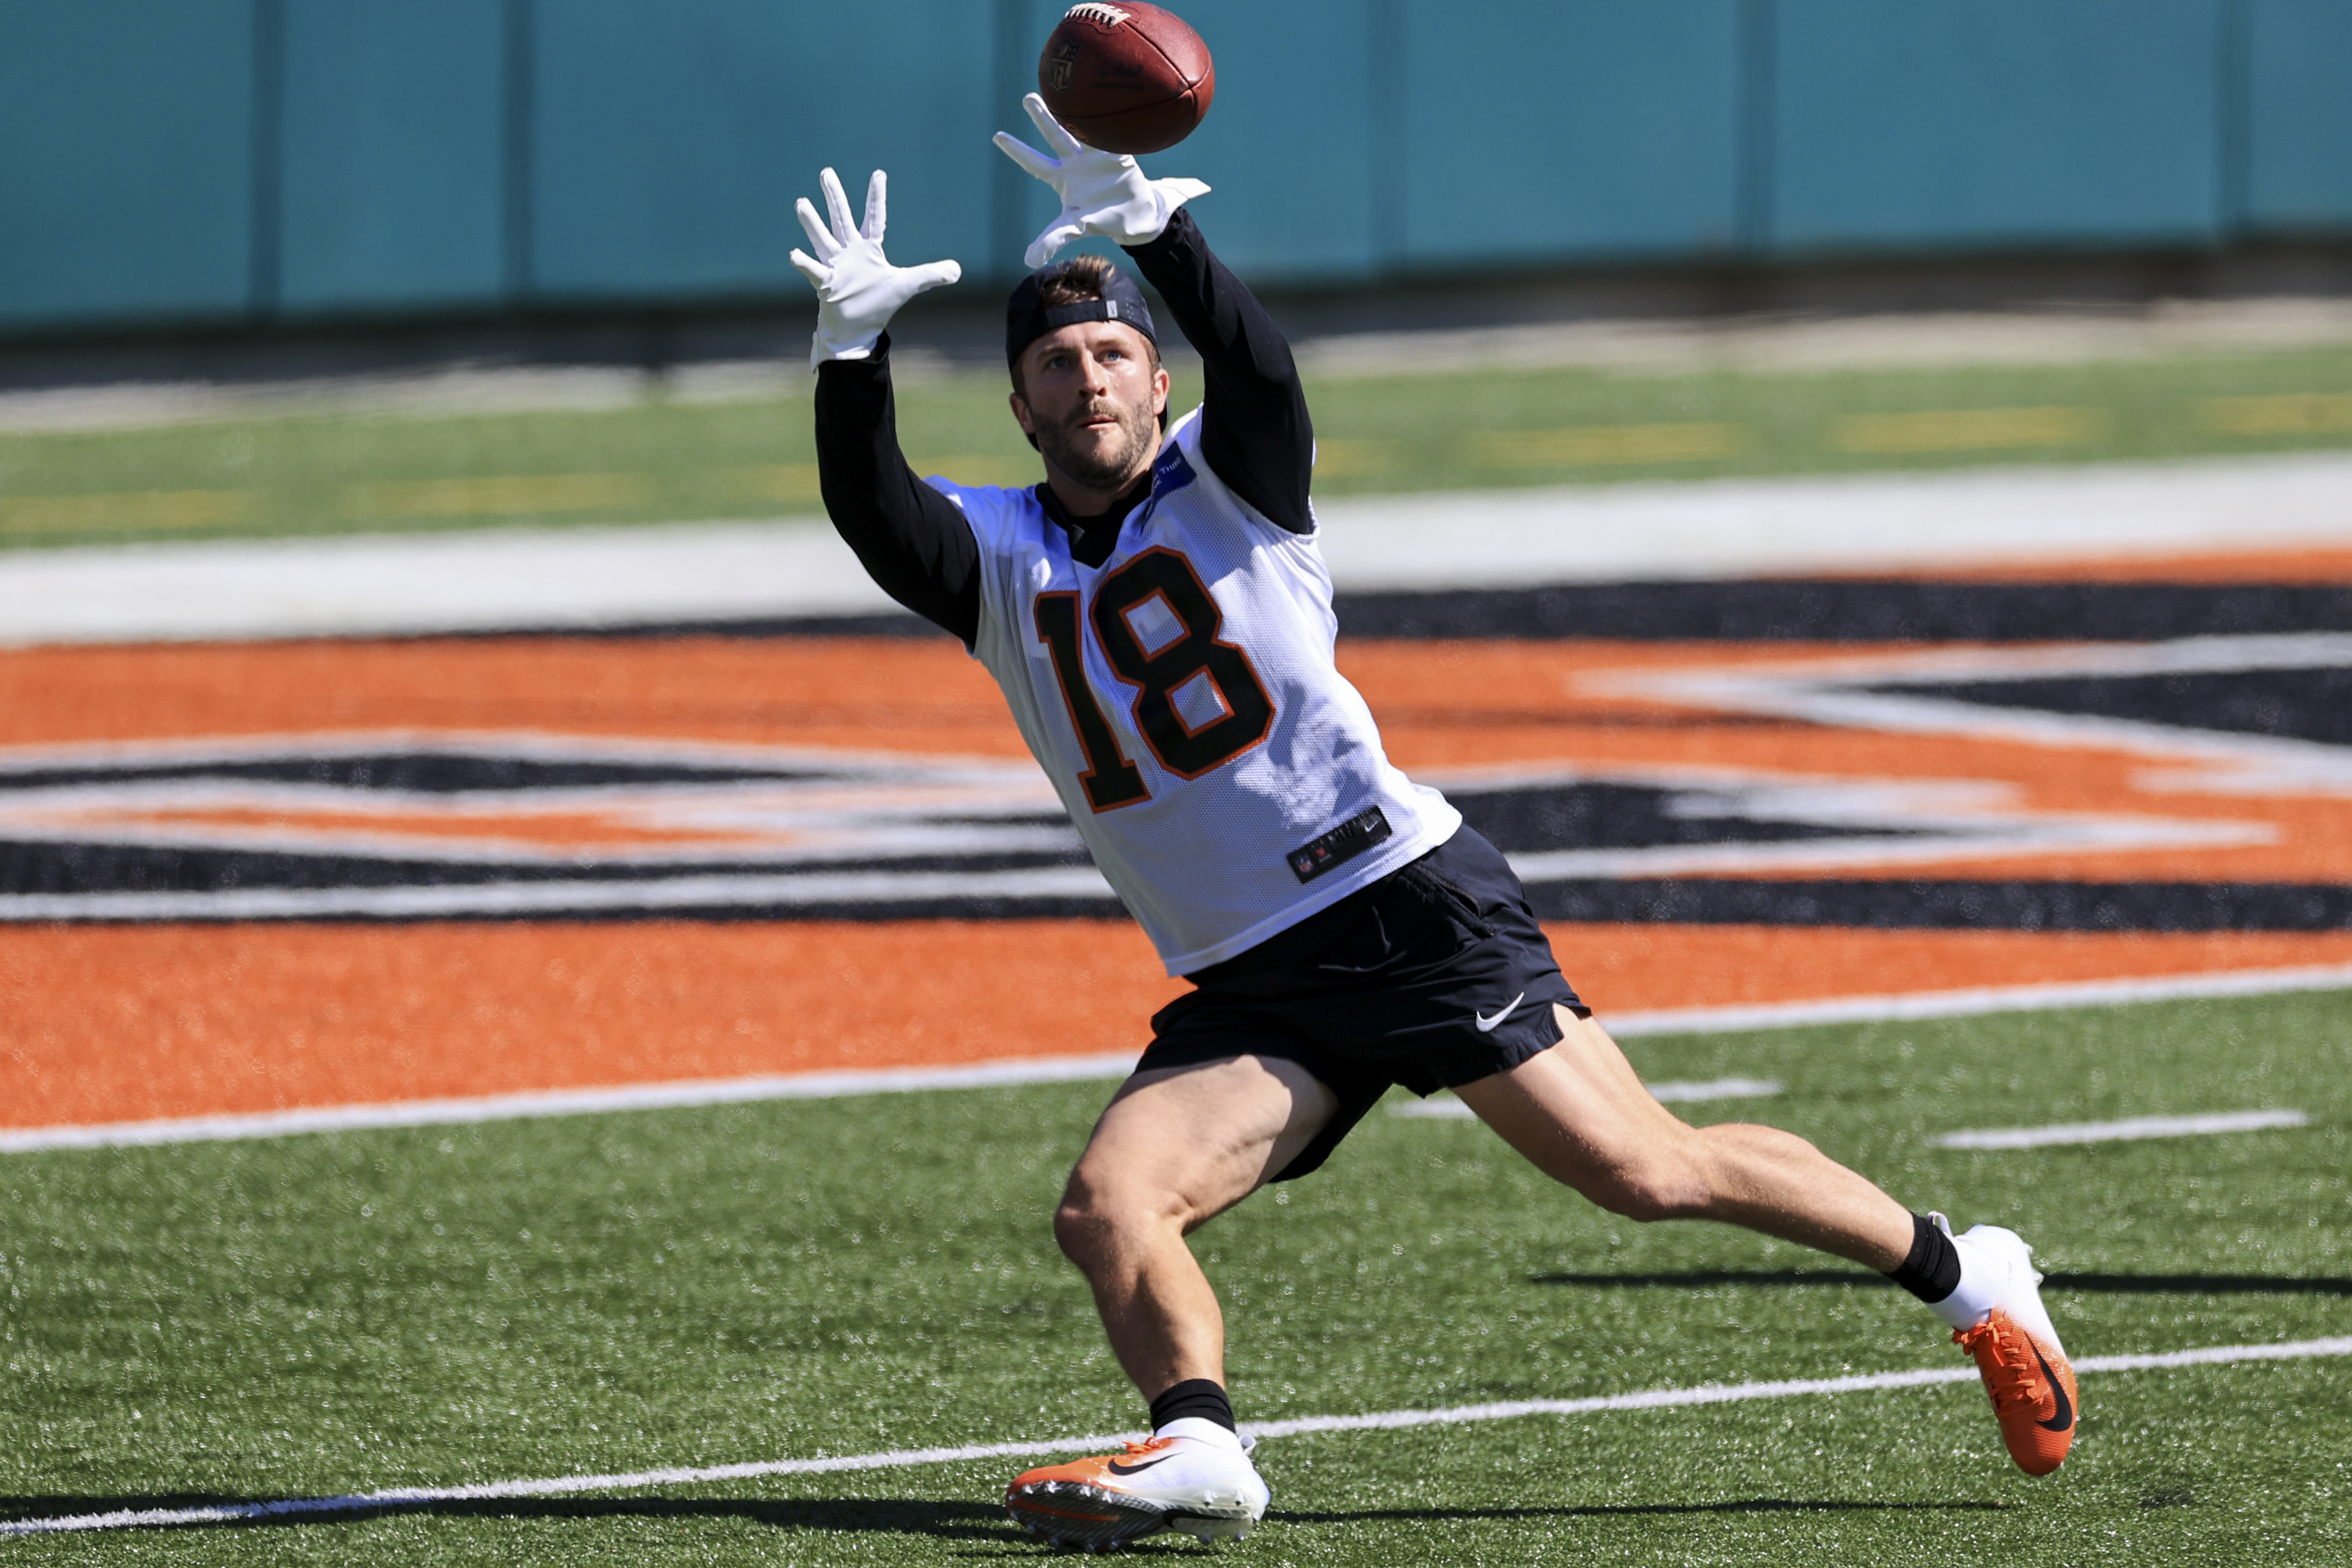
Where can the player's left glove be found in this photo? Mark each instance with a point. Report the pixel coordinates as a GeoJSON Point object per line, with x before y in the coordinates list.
{"type": "Point", "coordinates": [857, 289]}
{"type": "Point", "coordinates": [1102, 193]}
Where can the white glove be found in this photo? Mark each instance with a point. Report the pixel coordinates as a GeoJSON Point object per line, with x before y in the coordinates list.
{"type": "Point", "coordinates": [857, 289]}
{"type": "Point", "coordinates": [1102, 193]}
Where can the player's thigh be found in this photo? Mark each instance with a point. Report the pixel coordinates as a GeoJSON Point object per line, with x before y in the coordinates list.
{"type": "Point", "coordinates": [1580, 1114]}
{"type": "Point", "coordinates": [1189, 1143]}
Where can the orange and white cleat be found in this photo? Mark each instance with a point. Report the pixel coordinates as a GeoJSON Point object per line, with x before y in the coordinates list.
{"type": "Point", "coordinates": [1198, 1480]}
{"type": "Point", "coordinates": [2016, 1349]}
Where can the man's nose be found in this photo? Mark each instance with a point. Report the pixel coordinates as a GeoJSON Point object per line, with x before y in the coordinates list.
{"type": "Point", "coordinates": [1098, 374]}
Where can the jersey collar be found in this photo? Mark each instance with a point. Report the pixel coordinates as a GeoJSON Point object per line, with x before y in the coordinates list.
{"type": "Point", "coordinates": [1092, 539]}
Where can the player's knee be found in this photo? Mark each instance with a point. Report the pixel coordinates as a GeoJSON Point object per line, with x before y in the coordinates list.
{"type": "Point", "coordinates": [1096, 1220]}
{"type": "Point", "coordinates": [1078, 1231]}
{"type": "Point", "coordinates": [1654, 1189]}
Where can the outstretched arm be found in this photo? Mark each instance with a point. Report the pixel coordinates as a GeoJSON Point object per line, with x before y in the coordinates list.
{"type": "Point", "coordinates": [1254, 431]}
{"type": "Point", "coordinates": [911, 539]}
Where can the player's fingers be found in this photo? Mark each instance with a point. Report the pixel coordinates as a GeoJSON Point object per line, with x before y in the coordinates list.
{"type": "Point", "coordinates": [816, 271]}
{"type": "Point", "coordinates": [933, 274]}
{"type": "Point", "coordinates": [1051, 128]}
{"type": "Point", "coordinates": [878, 206]}
{"type": "Point", "coordinates": [1028, 157]}
{"type": "Point", "coordinates": [1057, 235]}
{"type": "Point", "coordinates": [1184, 190]}
{"type": "Point", "coordinates": [820, 237]}
{"type": "Point", "coordinates": [836, 203]}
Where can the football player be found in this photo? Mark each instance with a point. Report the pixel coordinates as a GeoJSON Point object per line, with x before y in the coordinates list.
{"type": "Point", "coordinates": [1158, 617]}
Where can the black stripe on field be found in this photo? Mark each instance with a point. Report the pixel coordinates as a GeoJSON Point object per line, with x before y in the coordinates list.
{"type": "Point", "coordinates": [1105, 907]}
{"type": "Point", "coordinates": [418, 773]}
{"type": "Point", "coordinates": [1853, 611]}
{"type": "Point", "coordinates": [1940, 906]}
{"type": "Point", "coordinates": [1951, 905]}
{"type": "Point", "coordinates": [1777, 610]}
{"type": "Point", "coordinates": [91, 868]}
{"type": "Point", "coordinates": [2305, 704]}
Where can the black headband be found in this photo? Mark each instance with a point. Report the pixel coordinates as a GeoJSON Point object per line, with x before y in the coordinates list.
{"type": "Point", "coordinates": [1026, 319]}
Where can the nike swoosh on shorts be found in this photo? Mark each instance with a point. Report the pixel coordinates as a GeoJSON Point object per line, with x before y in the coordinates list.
{"type": "Point", "coordinates": [1486, 1024]}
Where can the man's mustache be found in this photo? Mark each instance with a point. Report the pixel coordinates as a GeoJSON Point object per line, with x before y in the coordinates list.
{"type": "Point", "coordinates": [1095, 410]}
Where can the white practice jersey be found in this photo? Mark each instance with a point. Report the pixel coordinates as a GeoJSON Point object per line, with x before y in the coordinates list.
{"type": "Point", "coordinates": [1183, 698]}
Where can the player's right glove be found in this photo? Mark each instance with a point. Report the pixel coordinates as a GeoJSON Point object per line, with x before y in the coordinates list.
{"type": "Point", "coordinates": [857, 289]}
{"type": "Point", "coordinates": [1102, 193]}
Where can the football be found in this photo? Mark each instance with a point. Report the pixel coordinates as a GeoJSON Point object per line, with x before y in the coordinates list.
{"type": "Point", "coordinates": [1126, 78]}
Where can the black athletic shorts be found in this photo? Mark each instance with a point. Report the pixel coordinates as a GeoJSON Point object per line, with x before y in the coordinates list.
{"type": "Point", "coordinates": [1436, 975]}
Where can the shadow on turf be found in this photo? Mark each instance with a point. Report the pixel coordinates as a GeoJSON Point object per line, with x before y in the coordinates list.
{"type": "Point", "coordinates": [1630, 1509]}
{"type": "Point", "coordinates": [2103, 1284]}
{"type": "Point", "coordinates": [881, 1516]}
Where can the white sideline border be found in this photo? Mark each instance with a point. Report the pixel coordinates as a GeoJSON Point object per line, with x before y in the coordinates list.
{"type": "Point", "coordinates": [1921, 1005]}
{"type": "Point", "coordinates": [1376, 1421]}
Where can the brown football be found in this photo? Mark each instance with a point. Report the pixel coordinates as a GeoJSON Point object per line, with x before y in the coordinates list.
{"type": "Point", "coordinates": [1126, 78]}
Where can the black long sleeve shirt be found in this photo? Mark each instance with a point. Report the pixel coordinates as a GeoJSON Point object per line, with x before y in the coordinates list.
{"type": "Point", "coordinates": [915, 544]}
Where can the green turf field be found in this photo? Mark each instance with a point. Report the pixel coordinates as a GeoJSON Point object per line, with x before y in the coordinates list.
{"type": "Point", "coordinates": [687, 460]}
{"type": "Point", "coordinates": [322, 1315]}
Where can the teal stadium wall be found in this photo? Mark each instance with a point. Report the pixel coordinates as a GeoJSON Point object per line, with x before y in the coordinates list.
{"type": "Point", "coordinates": [176, 162]}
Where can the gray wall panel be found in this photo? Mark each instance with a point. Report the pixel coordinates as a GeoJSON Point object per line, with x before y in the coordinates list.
{"type": "Point", "coordinates": [2299, 116]}
{"type": "Point", "coordinates": [669, 140]}
{"type": "Point", "coordinates": [394, 155]}
{"type": "Point", "coordinates": [165, 161]}
{"type": "Point", "coordinates": [1289, 141]}
{"type": "Point", "coordinates": [1966, 123]}
{"type": "Point", "coordinates": [126, 159]}
{"type": "Point", "coordinates": [1568, 129]}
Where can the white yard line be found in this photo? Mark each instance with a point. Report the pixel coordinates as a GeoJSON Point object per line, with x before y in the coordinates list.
{"type": "Point", "coordinates": [1062, 1070]}
{"type": "Point", "coordinates": [567, 1102]}
{"type": "Point", "coordinates": [1876, 522]}
{"type": "Point", "coordinates": [549, 899]}
{"type": "Point", "coordinates": [2128, 1128]}
{"type": "Point", "coordinates": [1446, 1106]}
{"type": "Point", "coordinates": [1978, 1001]}
{"type": "Point", "coordinates": [494, 579]}
{"type": "Point", "coordinates": [517, 578]}
{"type": "Point", "coordinates": [899, 1458]}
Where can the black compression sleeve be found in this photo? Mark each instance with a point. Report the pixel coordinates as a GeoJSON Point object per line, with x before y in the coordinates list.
{"type": "Point", "coordinates": [912, 541]}
{"type": "Point", "coordinates": [1255, 430]}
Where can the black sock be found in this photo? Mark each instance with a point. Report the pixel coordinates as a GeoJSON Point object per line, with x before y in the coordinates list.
{"type": "Point", "coordinates": [1198, 1396]}
{"type": "Point", "coordinates": [1933, 1271]}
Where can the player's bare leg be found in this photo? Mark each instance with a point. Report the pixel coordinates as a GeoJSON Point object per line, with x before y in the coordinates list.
{"type": "Point", "coordinates": [1176, 1148]}
{"type": "Point", "coordinates": [1580, 1114]}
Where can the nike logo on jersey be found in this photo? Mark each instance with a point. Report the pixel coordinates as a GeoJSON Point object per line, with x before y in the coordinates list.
{"type": "Point", "coordinates": [1486, 1024]}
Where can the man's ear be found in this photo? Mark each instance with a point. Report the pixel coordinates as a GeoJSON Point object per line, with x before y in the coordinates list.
{"type": "Point", "coordinates": [1159, 390]}
{"type": "Point", "coordinates": [1020, 413]}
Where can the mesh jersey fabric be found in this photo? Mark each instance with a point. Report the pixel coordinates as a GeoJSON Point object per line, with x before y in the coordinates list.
{"type": "Point", "coordinates": [1209, 769]}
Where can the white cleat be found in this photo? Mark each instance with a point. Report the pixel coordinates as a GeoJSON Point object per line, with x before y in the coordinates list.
{"type": "Point", "coordinates": [1192, 1477]}
{"type": "Point", "coordinates": [1998, 1317]}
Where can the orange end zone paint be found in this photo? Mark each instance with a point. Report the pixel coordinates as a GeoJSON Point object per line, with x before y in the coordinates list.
{"type": "Point", "coordinates": [112, 1024]}
{"type": "Point", "coordinates": [104, 1024]}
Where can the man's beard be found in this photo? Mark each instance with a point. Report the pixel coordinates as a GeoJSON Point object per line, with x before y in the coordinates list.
{"type": "Point", "coordinates": [1101, 469]}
